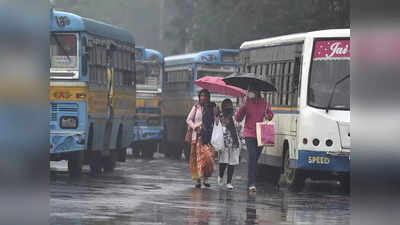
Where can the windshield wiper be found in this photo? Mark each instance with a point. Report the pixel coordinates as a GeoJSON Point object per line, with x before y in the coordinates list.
{"type": "Point", "coordinates": [333, 91]}
{"type": "Point", "coordinates": [62, 47]}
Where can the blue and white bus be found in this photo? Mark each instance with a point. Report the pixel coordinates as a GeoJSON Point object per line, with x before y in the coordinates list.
{"type": "Point", "coordinates": [149, 126]}
{"type": "Point", "coordinates": [311, 72]}
{"type": "Point", "coordinates": [180, 93]}
{"type": "Point", "coordinates": [92, 92]}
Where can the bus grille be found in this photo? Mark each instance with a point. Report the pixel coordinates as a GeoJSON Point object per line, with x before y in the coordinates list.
{"type": "Point", "coordinates": [62, 107]}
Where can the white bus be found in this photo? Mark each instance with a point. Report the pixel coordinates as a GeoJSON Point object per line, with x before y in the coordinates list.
{"type": "Point", "coordinates": [311, 72]}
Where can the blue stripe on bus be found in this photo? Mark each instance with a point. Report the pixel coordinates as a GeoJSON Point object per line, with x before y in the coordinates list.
{"type": "Point", "coordinates": [322, 161]}
{"type": "Point", "coordinates": [285, 112]}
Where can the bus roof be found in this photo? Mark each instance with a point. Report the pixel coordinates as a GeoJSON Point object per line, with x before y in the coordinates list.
{"type": "Point", "coordinates": [293, 38]}
{"type": "Point", "coordinates": [148, 54]}
{"type": "Point", "coordinates": [68, 22]}
{"type": "Point", "coordinates": [208, 56]}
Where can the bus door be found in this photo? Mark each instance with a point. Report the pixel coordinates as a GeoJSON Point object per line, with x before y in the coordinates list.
{"type": "Point", "coordinates": [110, 96]}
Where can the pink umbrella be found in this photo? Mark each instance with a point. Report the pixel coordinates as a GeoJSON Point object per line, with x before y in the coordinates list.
{"type": "Point", "coordinates": [217, 85]}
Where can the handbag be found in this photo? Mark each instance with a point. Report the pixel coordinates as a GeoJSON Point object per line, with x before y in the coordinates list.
{"type": "Point", "coordinates": [265, 134]}
{"type": "Point", "coordinates": [189, 131]}
{"type": "Point", "coordinates": [217, 137]}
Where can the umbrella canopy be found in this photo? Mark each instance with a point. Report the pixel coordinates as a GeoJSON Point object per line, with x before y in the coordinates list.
{"type": "Point", "coordinates": [217, 85]}
{"type": "Point", "coordinates": [246, 80]}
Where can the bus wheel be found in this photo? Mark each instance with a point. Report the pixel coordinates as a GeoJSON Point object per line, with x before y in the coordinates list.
{"type": "Point", "coordinates": [293, 177]}
{"type": "Point", "coordinates": [136, 149]}
{"type": "Point", "coordinates": [95, 163]}
{"type": "Point", "coordinates": [273, 174]}
{"type": "Point", "coordinates": [122, 155]}
{"type": "Point", "coordinates": [109, 162]}
{"type": "Point", "coordinates": [121, 152]}
{"type": "Point", "coordinates": [75, 163]}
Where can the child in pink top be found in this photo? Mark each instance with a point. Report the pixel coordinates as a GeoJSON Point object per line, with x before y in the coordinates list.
{"type": "Point", "coordinates": [255, 109]}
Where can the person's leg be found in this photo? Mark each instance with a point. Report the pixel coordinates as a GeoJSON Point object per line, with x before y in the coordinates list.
{"type": "Point", "coordinates": [193, 166]}
{"type": "Point", "coordinates": [222, 167]}
{"type": "Point", "coordinates": [257, 153]}
{"type": "Point", "coordinates": [231, 169]}
{"type": "Point", "coordinates": [251, 149]}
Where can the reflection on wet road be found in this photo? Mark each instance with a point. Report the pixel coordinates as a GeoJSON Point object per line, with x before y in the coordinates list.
{"type": "Point", "coordinates": [161, 192]}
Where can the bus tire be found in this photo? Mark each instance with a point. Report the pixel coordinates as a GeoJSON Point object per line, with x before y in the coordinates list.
{"type": "Point", "coordinates": [95, 163]}
{"type": "Point", "coordinates": [94, 157]}
{"type": "Point", "coordinates": [109, 162]}
{"type": "Point", "coordinates": [75, 163]}
{"type": "Point", "coordinates": [121, 151]}
{"type": "Point", "coordinates": [122, 155]}
{"type": "Point", "coordinates": [294, 178]}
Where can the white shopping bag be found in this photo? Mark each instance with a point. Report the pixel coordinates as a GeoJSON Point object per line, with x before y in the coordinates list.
{"type": "Point", "coordinates": [217, 138]}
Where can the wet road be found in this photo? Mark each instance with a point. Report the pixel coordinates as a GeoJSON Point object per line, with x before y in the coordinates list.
{"type": "Point", "coordinates": [160, 191]}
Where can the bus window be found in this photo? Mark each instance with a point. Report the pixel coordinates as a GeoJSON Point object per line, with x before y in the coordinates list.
{"type": "Point", "coordinates": [325, 72]}
{"type": "Point", "coordinates": [153, 76]}
{"type": "Point", "coordinates": [140, 74]}
{"type": "Point", "coordinates": [63, 51]}
{"type": "Point", "coordinates": [148, 75]}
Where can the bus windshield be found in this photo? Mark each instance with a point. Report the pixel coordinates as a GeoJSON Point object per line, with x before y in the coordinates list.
{"type": "Point", "coordinates": [148, 75]}
{"type": "Point", "coordinates": [330, 64]}
{"type": "Point", "coordinates": [63, 51]}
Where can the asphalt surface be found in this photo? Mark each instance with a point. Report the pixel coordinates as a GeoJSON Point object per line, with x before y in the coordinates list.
{"type": "Point", "coordinates": [161, 191]}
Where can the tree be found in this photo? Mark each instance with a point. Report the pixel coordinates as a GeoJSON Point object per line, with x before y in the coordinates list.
{"type": "Point", "coordinates": [213, 24]}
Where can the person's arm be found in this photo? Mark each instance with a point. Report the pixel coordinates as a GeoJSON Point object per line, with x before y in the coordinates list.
{"type": "Point", "coordinates": [191, 117]}
{"type": "Point", "coordinates": [269, 114]}
{"type": "Point", "coordinates": [241, 113]}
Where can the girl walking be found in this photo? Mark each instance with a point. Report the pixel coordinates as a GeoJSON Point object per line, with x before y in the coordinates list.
{"type": "Point", "coordinates": [228, 157]}
{"type": "Point", "coordinates": [255, 109]}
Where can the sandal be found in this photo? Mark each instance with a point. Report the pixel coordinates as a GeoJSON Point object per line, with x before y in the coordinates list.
{"type": "Point", "coordinates": [206, 184]}
{"type": "Point", "coordinates": [198, 185]}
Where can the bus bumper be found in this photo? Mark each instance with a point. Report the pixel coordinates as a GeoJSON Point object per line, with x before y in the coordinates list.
{"type": "Point", "coordinates": [67, 142]}
{"type": "Point", "coordinates": [322, 161]}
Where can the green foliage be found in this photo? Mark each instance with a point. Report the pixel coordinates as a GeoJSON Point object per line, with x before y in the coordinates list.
{"type": "Point", "coordinates": [193, 25]}
{"type": "Point", "coordinates": [227, 23]}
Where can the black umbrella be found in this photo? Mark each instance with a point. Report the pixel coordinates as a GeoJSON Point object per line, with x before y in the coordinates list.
{"type": "Point", "coordinates": [246, 80]}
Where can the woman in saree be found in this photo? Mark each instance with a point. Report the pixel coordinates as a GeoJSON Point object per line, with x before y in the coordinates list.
{"type": "Point", "coordinates": [202, 157]}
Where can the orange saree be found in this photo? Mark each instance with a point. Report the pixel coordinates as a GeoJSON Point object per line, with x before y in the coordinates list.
{"type": "Point", "coordinates": [202, 160]}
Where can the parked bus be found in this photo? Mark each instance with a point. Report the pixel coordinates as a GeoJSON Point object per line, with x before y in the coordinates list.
{"type": "Point", "coordinates": [311, 72]}
{"type": "Point", "coordinates": [92, 92]}
{"type": "Point", "coordinates": [149, 126]}
{"type": "Point", "coordinates": [180, 93]}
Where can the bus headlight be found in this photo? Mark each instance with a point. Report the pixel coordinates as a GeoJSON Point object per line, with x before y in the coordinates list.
{"type": "Point", "coordinates": [69, 122]}
{"type": "Point", "coordinates": [329, 142]}
{"type": "Point", "coordinates": [315, 142]}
